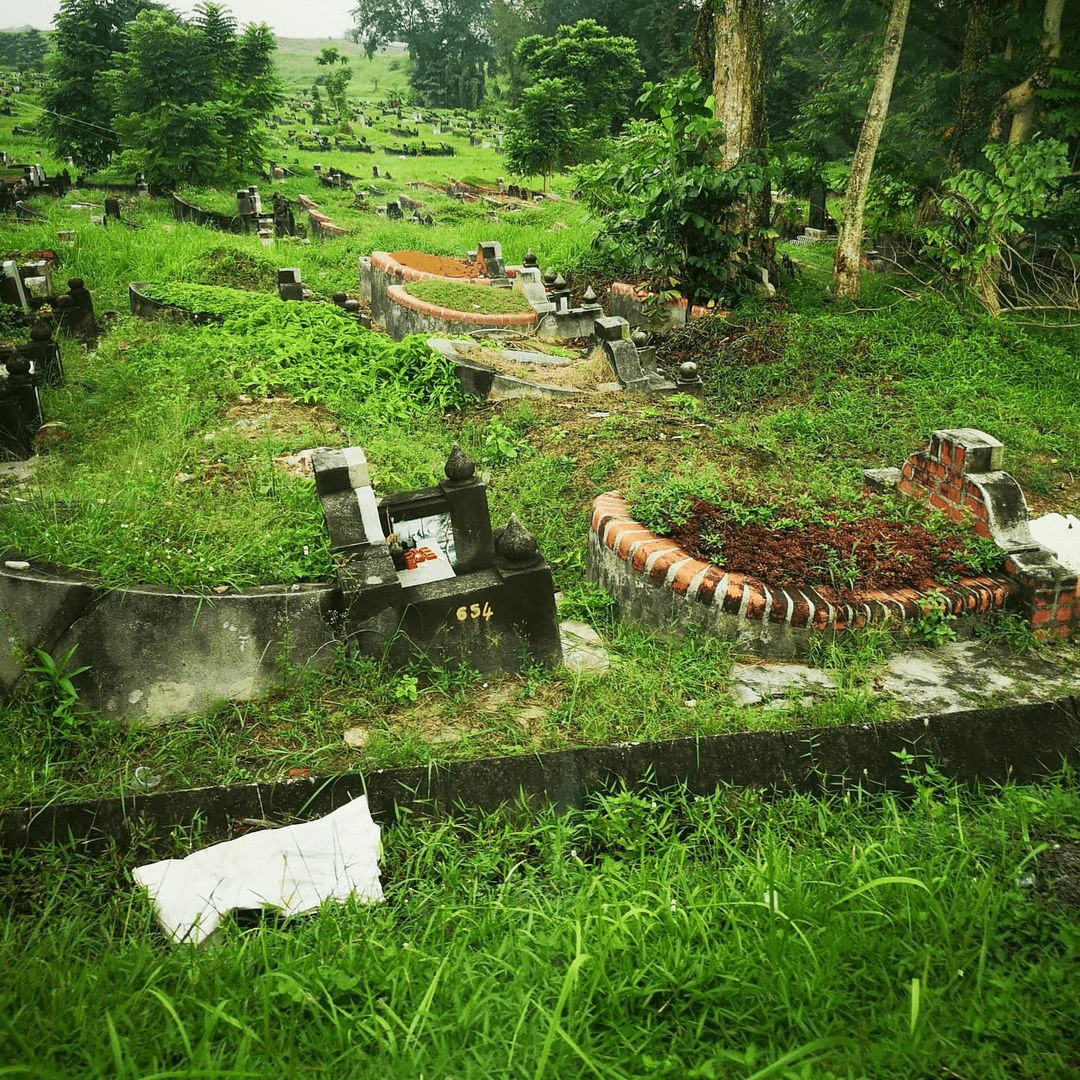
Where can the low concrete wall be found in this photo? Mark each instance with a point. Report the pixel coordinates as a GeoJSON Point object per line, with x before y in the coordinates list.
{"type": "Point", "coordinates": [380, 270]}
{"type": "Point", "coordinates": [155, 653]}
{"type": "Point", "coordinates": [1018, 743]}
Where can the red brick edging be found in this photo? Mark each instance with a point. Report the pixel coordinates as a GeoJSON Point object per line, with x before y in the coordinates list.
{"type": "Point", "coordinates": [397, 295]}
{"type": "Point", "coordinates": [667, 565]}
{"type": "Point", "coordinates": [623, 288]}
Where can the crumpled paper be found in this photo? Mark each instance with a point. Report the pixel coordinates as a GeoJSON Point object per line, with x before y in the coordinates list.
{"type": "Point", "coordinates": [292, 870]}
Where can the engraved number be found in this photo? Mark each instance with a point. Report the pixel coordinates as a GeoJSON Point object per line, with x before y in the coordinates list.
{"type": "Point", "coordinates": [474, 611]}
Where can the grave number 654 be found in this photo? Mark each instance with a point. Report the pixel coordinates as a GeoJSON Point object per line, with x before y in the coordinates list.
{"type": "Point", "coordinates": [474, 611]}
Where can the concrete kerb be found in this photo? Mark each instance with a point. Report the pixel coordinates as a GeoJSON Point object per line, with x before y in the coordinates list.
{"type": "Point", "coordinates": [155, 653]}
{"type": "Point", "coordinates": [1019, 743]}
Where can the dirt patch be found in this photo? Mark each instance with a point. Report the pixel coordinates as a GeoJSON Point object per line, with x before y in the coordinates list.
{"type": "Point", "coordinates": [704, 341]}
{"type": "Point", "coordinates": [839, 555]}
{"type": "Point", "coordinates": [438, 264]}
{"type": "Point", "coordinates": [1059, 866]}
{"type": "Point", "coordinates": [586, 375]}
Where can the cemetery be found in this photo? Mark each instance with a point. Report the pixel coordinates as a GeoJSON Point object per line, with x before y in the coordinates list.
{"type": "Point", "coordinates": [449, 625]}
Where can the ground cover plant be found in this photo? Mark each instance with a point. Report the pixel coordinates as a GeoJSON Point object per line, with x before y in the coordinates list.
{"type": "Point", "coordinates": [461, 297]}
{"type": "Point", "coordinates": [651, 933]}
{"type": "Point", "coordinates": [874, 543]}
{"type": "Point", "coordinates": [183, 464]}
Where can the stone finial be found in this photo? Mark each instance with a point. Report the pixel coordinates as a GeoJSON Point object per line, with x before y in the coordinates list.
{"type": "Point", "coordinates": [40, 331]}
{"type": "Point", "coordinates": [530, 258]}
{"type": "Point", "coordinates": [639, 338]}
{"type": "Point", "coordinates": [17, 365]}
{"type": "Point", "coordinates": [560, 282]}
{"type": "Point", "coordinates": [688, 372]}
{"type": "Point", "coordinates": [459, 466]}
{"type": "Point", "coordinates": [550, 276]}
{"type": "Point", "coordinates": [338, 299]}
{"type": "Point", "coordinates": [514, 543]}
{"type": "Point", "coordinates": [590, 295]}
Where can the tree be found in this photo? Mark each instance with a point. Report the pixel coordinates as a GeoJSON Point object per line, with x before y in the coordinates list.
{"type": "Point", "coordinates": [669, 207]}
{"type": "Point", "coordinates": [337, 81]}
{"type": "Point", "coordinates": [848, 260]}
{"type": "Point", "coordinates": [1018, 104]}
{"type": "Point", "coordinates": [78, 112]}
{"type": "Point", "coordinates": [601, 73]}
{"type": "Point", "coordinates": [448, 42]}
{"type": "Point", "coordinates": [190, 97]}
{"type": "Point", "coordinates": [737, 84]}
{"type": "Point", "coordinates": [539, 133]}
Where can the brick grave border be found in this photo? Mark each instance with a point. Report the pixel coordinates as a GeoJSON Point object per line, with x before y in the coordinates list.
{"type": "Point", "coordinates": [383, 281]}
{"type": "Point", "coordinates": [658, 584]}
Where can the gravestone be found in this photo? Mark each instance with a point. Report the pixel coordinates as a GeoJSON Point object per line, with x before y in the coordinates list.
{"type": "Point", "coordinates": [290, 286]}
{"type": "Point", "coordinates": [20, 407]}
{"type": "Point", "coordinates": [422, 572]}
{"type": "Point", "coordinates": [489, 254]}
{"type": "Point", "coordinates": [13, 291]}
{"type": "Point", "coordinates": [818, 214]}
{"type": "Point", "coordinates": [632, 361]}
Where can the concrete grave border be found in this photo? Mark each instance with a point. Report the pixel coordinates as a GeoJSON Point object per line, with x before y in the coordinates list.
{"type": "Point", "coordinates": [1020, 744]}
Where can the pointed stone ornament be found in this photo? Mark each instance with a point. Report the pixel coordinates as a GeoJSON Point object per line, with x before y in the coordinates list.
{"type": "Point", "coordinates": [459, 466]}
{"type": "Point", "coordinates": [549, 276]}
{"type": "Point", "coordinates": [560, 282]}
{"type": "Point", "coordinates": [590, 295]}
{"type": "Point", "coordinates": [530, 258]}
{"type": "Point", "coordinates": [514, 543]}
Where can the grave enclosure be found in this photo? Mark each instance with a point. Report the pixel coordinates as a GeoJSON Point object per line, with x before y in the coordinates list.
{"type": "Point", "coordinates": [418, 573]}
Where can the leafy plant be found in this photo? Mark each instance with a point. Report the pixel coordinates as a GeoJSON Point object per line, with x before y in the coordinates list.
{"type": "Point", "coordinates": [981, 211]}
{"type": "Point", "coordinates": [501, 444]}
{"type": "Point", "coordinates": [667, 205]}
{"type": "Point", "coordinates": [55, 677]}
{"type": "Point", "coordinates": [934, 626]}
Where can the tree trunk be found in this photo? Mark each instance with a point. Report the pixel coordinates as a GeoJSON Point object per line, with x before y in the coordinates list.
{"type": "Point", "coordinates": [1017, 105]}
{"type": "Point", "coordinates": [972, 108]}
{"type": "Point", "coordinates": [738, 86]}
{"type": "Point", "coordinates": [738, 78]}
{"type": "Point", "coordinates": [846, 265]}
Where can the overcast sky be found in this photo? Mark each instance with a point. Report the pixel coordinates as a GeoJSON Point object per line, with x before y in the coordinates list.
{"type": "Point", "coordinates": [287, 18]}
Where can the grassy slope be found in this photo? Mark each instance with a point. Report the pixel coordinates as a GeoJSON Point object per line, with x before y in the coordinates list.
{"type": "Point", "coordinates": [668, 936]}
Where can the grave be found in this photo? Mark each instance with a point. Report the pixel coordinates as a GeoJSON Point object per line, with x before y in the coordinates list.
{"type": "Point", "coordinates": [423, 571]}
{"type": "Point", "coordinates": [632, 359]}
{"type": "Point", "coordinates": [658, 584]}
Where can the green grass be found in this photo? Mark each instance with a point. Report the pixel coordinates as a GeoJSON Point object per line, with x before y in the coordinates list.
{"type": "Point", "coordinates": [461, 297]}
{"type": "Point", "coordinates": [652, 934]}
{"type": "Point", "coordinates": [169, 474]}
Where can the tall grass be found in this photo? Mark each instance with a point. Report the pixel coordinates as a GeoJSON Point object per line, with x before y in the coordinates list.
{"type": "Point", "coordinates": [662, 935]}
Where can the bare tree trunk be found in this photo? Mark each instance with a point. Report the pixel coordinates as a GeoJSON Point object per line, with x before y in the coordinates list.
{"type": "Point", "coordinates": [738, 79]}
{"type": "Point", "coordinates": [971, 112]}
{"type": "Point", "coordinates": [1017, 105]}
{"type": "Point", "coordinates": [846, 265]}
{"type": "Point", "coordinates": [738, 85]}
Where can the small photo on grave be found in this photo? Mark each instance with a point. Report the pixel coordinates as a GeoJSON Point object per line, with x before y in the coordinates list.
{"type": "Point", "coordinates": [423, 549]}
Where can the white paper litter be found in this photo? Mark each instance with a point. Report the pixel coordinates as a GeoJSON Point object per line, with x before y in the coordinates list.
{"type": "Point", "coordinates": [292, 869]}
